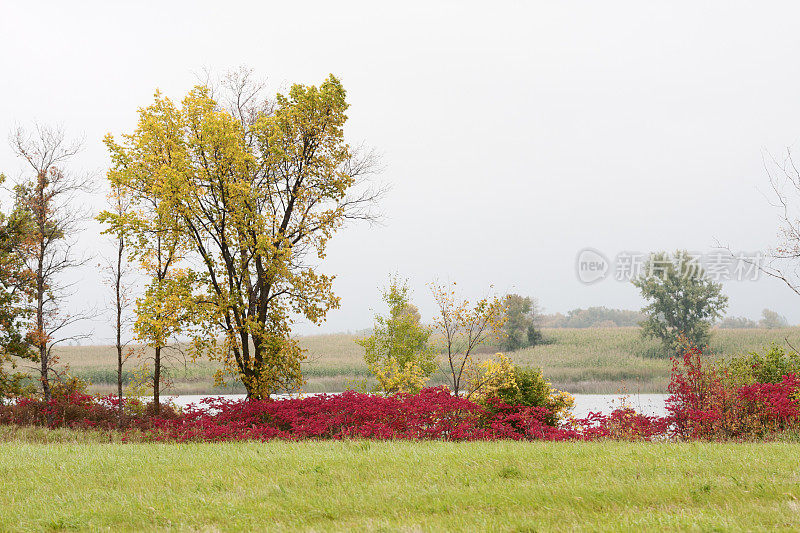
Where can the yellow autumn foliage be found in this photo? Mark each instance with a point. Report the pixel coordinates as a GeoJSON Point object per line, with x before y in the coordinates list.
{"type": "Point", "coordinates": [487, 377]}
{"type": "Point", "coordinates": [409, 378]}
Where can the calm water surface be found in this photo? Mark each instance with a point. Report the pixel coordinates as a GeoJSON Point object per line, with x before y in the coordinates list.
{"type": "Point", "coordinates": [649, 404]}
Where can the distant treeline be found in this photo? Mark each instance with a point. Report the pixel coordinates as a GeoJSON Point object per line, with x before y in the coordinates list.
{"type": "Point", "coordinates": [769, 319]}
{"type": "Point", "coordinates": [593, 317]}
{"type": "Point", "coordinates": [603, 317]}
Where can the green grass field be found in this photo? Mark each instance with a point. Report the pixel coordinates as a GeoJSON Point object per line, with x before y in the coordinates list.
{"type": "Point", "coordinates": [594, 360]}
{"type": "Point", "coordinates": [396, 486]}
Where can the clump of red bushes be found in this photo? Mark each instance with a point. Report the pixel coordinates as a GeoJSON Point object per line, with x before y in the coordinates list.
{"type": "Point", "coordinates": [703, 404]}
{"type": "Point", "coordinates": [432, 414]}
{"type": "Point", "coordinates": [77, 410]}
{"type": "Point", "coordinates": [707, 403]}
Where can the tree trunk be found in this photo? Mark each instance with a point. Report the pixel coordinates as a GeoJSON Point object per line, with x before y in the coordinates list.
{"type": "Point", "coordinates": [157, 381]}
{"type": "Point", "coordinates": [119, 380]}
{"type": "Point", "coordinates": [43, 370]}
{"type": "Point", "coordinates": [118, 293]}
{"type": "Point", "coordinates": [42, 342]}
{"type": "Point", "coordinates": [42, 338]}
{"type": "Point", "coordinates": [40, 210]}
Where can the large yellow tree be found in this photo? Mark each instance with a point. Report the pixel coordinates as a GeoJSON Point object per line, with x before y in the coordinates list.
{"type": "Point", "coordinates": [259, 187]}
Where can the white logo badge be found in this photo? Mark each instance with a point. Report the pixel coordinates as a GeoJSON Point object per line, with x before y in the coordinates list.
{"type": "Point", "coordinates": [592, 266]}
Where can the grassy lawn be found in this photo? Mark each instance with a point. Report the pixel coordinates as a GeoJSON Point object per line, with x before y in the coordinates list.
{"type": "Point", "coordinates": [359, 485]}
{"type": "Point", "coordinates": [593, 360]}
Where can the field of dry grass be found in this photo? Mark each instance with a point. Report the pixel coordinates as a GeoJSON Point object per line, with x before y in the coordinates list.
{"type": "Point", "coordinates": [611, 360]}
{"type": "Point", "coordinates": [595, 360]}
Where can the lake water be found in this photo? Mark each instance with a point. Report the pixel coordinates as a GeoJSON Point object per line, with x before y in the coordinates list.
{"type": "Point", "coordinates": [648, 404]}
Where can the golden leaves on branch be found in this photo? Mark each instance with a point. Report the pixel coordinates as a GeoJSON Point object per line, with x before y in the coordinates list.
{"type": "Point", "coordinates": [248, 195]}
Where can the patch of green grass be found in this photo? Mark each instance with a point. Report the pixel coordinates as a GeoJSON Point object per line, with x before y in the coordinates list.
{"type": "Point", "coordinates": [427, 486]}
{"type": "Point", "coordinates": [42, 435]}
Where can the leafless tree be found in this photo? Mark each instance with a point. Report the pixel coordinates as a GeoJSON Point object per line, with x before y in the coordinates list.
{"type": "Point", "coordinates": [51, 199]}
{"type": "Point", "coordinates": [117, 270]}
{"type": "Point", "coordinates": [784, 179]}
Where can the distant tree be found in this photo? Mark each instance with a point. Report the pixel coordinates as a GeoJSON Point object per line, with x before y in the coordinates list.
{"type": "Point", "coordinates": [733, 322]}
{"type": "Point", "coordinates": [397, 352]}
{"type": "Point", "coordinates": [555, 320]}
{"type": "Point", "coordinates": [49, 200]}
{"type": "Point", "coordinates": [683, 300]}
{"type": "Point", "coordinates": [604, 324]}
{"type": "Point", "coordinates": [463, 327]}
{"type": "Point", "coordinates": [521, 326]}
{"type": "Point", "coordinates": [772, 320]}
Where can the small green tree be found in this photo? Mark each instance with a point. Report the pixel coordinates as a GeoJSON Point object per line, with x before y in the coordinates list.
{"type": "Point", "coordinates": [683, 300]}
{"type": "Point", "coordinates": [398, 353]}
{"type": "Point", "coordinates": [16, 290]}
{"type": "Point", "coordinates": [521, 327]}
{"type": "Point", "coordinates": [772, 320]}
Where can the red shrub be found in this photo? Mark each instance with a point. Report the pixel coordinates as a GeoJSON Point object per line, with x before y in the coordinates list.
{"type": "Point", "coordinates": [704, 404]}
{"type": "Point", "coordinates": [430, 414]}
{"type": "Point", "coordinates": [74, 410]}
{"type": "Point", "coordinates": [623, 423]}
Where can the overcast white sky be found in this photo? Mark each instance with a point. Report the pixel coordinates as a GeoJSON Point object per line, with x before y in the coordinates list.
{"type": "Point", "coordinates": [514, 134]}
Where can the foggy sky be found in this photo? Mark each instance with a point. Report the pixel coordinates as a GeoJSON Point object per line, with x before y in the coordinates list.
{"type": "Point", "coordinates": [514, 134]}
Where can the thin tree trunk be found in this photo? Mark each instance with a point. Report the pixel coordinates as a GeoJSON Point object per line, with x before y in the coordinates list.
{"type": "Point", "coordinates": [119, 380]}
{"type": "Point", "coordinates": [157, 381]}
{"type": "Point", "coordinates": [41, 340]}
{"type": "Point", "coordinates": [40, 286]}
{"type": "Point", "coordinates": [161, 275]}
{"type": "Point", "coordinates": [118, 289]}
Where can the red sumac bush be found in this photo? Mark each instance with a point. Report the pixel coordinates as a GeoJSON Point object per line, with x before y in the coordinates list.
{"type": "Point", "coordinates": [703, 404]}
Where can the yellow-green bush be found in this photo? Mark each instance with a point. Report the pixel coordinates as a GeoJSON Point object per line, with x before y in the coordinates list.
{"type": "Point", "coordinates": [767, 366]}
{"type": "Point", "coordinates": [528, 387]}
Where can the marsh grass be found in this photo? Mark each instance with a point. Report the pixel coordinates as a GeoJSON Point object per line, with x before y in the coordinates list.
{"type": "Point", "coordinates": [593, 360]}
{"type": "Point", "coordinates": [391, 486]}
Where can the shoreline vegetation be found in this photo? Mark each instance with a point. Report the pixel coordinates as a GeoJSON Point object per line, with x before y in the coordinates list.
{"type": "Point", "coordinates": [742, 398]}
{"type": "Point", "coordinates": [606, 360]}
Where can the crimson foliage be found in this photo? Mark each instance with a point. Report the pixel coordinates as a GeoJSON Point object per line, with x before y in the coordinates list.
{"type": "Point", "coordinates": [432, 414]}
{"type": "Point", "coordinates": [703, 404]}
{"type": "Point", "coordinates": [706, 404]}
